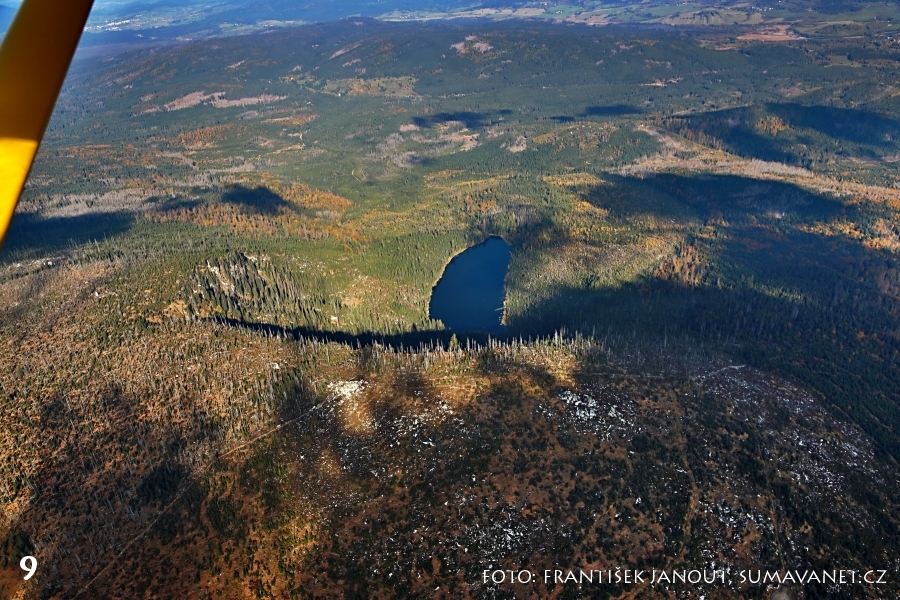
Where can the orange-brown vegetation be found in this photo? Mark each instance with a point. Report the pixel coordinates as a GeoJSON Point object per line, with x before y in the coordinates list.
{"type": "Point", "coordinates": [206, 137]}
{"type": "Point", "coordinates": [573, 179]}
{"type": "Point", "coordinates": [262, 466]}
{"type": "Point", "coordinates": [306, 197]}
{"type": "Point", "coordinates": [588, 136]}
{"type": "Point", "coordinates": [688, 265]}
{"type": "Point", "coordinates": [278, 209]}
{"type": "Point", "coordinates": [771, 125]}
{"type": "Point", "coordinates": [68, 402]}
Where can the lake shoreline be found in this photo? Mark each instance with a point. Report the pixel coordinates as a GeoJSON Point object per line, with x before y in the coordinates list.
{"type": "Point", "coordinates": [464, 296]}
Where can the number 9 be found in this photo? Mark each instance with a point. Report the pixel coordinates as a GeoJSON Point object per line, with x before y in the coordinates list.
{"type": "Point", "coordinates": [28, 563]}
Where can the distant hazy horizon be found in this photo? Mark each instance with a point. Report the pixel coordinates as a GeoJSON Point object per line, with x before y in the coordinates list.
{"type": "Point", "coordinates": [177, 15]}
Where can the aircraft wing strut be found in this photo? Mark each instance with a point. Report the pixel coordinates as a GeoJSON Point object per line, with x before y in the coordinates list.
{"type": "Point", "coordinates": [34, 60]}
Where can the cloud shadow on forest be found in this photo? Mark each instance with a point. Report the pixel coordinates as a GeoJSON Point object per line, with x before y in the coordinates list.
{"type": "Point", "coordinates": [613, 110]}
{"type": "Point", "coordinates": [472, 120]}
{"type": "Point", "coordinates": [738, 198]}
{"type": "Point", "coordinates": [408, 340]}
{"type": "Point", "coordinates": [259, 200]}
{"type": "Point", "coordinates": [766, 289]}
{"type": "Point", "coordinates": [848, 124]}
{"type": "Point", "coordinates": [32, 235]}
{"type": "Point", "coordinates": [179, 204]}
{"type": "Point", "coordinates": [800, 135]}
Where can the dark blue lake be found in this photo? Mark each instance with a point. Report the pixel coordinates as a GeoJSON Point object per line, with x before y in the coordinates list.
{"type": "Point", "coordinates": [470, 293]}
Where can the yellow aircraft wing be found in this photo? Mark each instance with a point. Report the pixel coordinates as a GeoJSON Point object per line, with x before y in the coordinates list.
{"type": "Point", "coordinates": [34, 59]}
